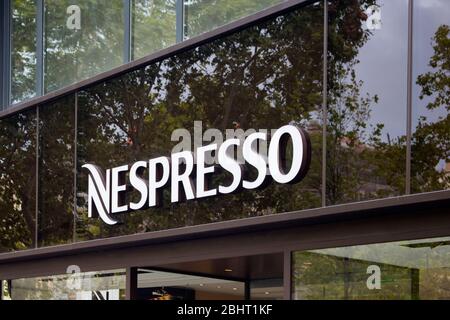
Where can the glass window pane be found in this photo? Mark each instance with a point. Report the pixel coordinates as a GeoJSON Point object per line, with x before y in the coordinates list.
{"type": "Point", "coordinates": [153, 26]}
{"type": "Point", "coordinates": [5, 290]}
{"type": "Point", "coordinates": [430, 168]}
{"type": "Point", "coordinates": [366, 143]}
{"type": "Point", "coordinates": [205, 15]}
{"type": "Point", "coordinates": [82, 38]}
{"type": "Point", "coordinates": [103, 285]}
{"type": "Point", "coordinates": [267, 289]}
{"type": "Point", "coordinates": [162, 285]}
{"type": "Point", "coordinates": [18, 182]}
{"type": "Point", "coordinates": [264, 77]}
{"type": "Point", "coordinates": [407, 270]}
{"type": "Point", "coordinates": [23, 50]}
{"type": "Point", "coordinates": [56, 176]}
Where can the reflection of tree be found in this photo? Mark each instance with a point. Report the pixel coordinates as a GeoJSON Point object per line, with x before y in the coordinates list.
{"type": "Point", "coordinates": [72, 55]}
{"type": "Point", "coordinates": [23, 51]}
{"type": "Point", "coordinates": [263, 77]}
{"type": "Point", "coordinates": [205, 15]}
{"type": "Point", "coordinates": [56, 163]}
{"type": "Point", "coordinates": [17, 182]}
{"type": "Point", "coordinates": [357, 166]}
{"type": "Point", "coordinates": [431, 139]}
{"type": "Point", "coordinates": [329, 277]}
{"type": "Point", "coordinates": [154, 24]}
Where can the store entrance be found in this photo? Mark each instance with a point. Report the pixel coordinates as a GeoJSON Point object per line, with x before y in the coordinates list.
{"type": "Point", "coordinates": [238, 278]}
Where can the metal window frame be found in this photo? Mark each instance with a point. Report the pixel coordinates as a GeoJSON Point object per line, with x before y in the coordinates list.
{"type": "Point", "coordinates": [180, 18]}
{"type": "Point", "coordinates": [40, 21]}
{"type": "Point", "coordinates": [127, 43]}
{"type": "Point", "coordinates": [5, 63]}
{"type": "Point", "coordinates": [37, 156]}
{"type": "Point", "coordinates": [324, 104]}
{"type": "Point", "coordinates": [409, 94]}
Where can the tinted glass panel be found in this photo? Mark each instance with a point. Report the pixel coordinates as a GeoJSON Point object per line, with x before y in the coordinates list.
{"type": "Point", "coordinates": [204, 15]}
{"type": "Point", "coordinates": [18, 182]}
{"type": "Point", "coordinates": [56, 177]}
{"type": "Point", "coordinates": [154, 24]}
{"type": "Point", "coordinates": [23, 50]}
{"type": "Point", "coordinates": [366, 153]}
{"type": "Point", "coordinates": [262, 78]}
{"type": "Point", "coordinates": [430, 169]}
{"type": "Point", "coordinates": [82, 38]}
{"type": "Point", "coordinates": [408, 270]}
{"type": "Point", "coordinates": [5, 290]}
{"type": "Point", "coordinates": [104, 285]}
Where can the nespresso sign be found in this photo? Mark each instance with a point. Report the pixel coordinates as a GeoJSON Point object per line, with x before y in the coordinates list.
{"type": "Point", "coordinates": [186, 174]}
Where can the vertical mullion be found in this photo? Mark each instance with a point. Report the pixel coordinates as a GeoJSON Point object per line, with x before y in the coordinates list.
{"type": "Point", "coordinates": [75, 168]}
{"type": "Point", "coordinates": [36, 226]}
{"type": "Point", "coordinates": [409, 97]}
{"type": "Point", "coordinates": [2, 74]}
{"type": "Point", "coordinates": [5, 88]}
{"type": "Point", "coordinates": [127, 53]}
{"type": "Point", "coordinates": [131, 283]}
{"type": "Point", "coordinates": [325, 103]}
{"type": "Point", "coordinates": [40, 47]}
{"type": "Point", "coordinates": [180, 21]}
{"type": "Point", "coordinates": [247, 290]}
{"type": "Point", "coordinates": [287, 275]}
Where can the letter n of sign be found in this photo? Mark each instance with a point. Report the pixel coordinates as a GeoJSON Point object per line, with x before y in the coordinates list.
{"type": "Point", "coordinates": [99, 193]}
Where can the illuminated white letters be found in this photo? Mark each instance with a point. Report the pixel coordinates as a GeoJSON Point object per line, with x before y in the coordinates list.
{"type": "Point", "coordinates": [227, 162]}
{"type": "Point", "coordinates": [98, 193]}
{"type": "Point", "coordinates": [202, 171]}
{"type": "Point", "coordinates": [118, 187]}
{"type": "Point", "coordinates": [255, 159]}
{"type": "Point", "coordinates": [158, 177]}
{"type": "Point", "coordinates": [138, 183]}
{"type": "Point", "coordinates": [277, 154]}
{"type": "Point", "coordinates": [187, 175]}
{"type": "Point", "coordinates": [182, 159]}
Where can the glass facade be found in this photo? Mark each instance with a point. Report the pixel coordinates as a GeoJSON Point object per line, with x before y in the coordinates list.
{"type": "Point", "coordinates": [103, 285]}
{"type": "Point", "coordinates": [263, 77]}
{"type": "Point", "coordinates": [57, 43]}
{"type": "Point", "coordinates": [161, 285]}
{"type": "Point", "coordinates": [178, 91]}
{"type": "Point", "coordinates": [407, 270]}
{"type": "Point", "coordinates": [204, 15]}
{"type": "Point", "coordinates": [153, 26]}
{"type": "Point", "coordinates": [430, 165]}
{"type": "Point", "coordinates": [82, 39]}
{"type": "Point", "coordinates": [56, 162]}
{"type": "Point", "coordinates": [367, 100]}
{"type": "Point", "coordinates": [23, 50]}
{"type": "Point", "coordinates": [18, 182]}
